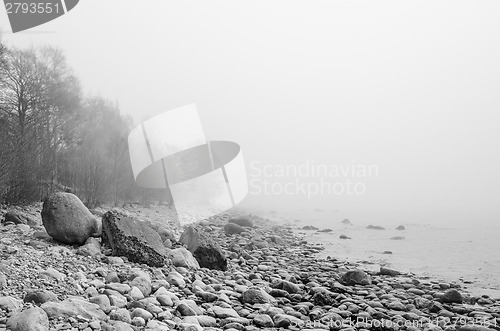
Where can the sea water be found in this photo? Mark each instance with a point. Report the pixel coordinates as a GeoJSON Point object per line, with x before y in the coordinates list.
{"type": "Point", "coordinates": [466, 254]}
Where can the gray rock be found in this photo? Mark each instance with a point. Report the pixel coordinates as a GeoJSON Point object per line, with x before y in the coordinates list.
{"type": "Point", "coordinates": [346, 221]}
{"type": "Point", "coordinates": [143, 283]}
{"type": "Point", "coordinates": [375, 227]}
{"type": "Point", "coordinates": [452, 296]}
{"type": "Point", "coordinates": [10, 304]}
{"type": "Point", "coordinates": [176, 279]}
{"type": "Point", "coordinates": [232, 228]}
{"type": "Point", "coordinates": [67, 220]}
{"type": "Point", "coordinates": [256, 295]}
{"type": "Point", "coordinates": [181, 257]}
{"type": "Point", "coordinates": [72, 307]}
{"type": "Point", "coordinates": [133, 239]}
{"type": "Point", "coordinates": [121, 314]}
{"type": "Point", "coordinates": [18, 217]}
{"type": "Point", "coordinates": [103, 302]}
{"type": "Point", "coordinates": [286, 285]}
{"type": "Point", "coordinates": [39, 297]}
{"type": "Point", "coordinates": [141, 313]}
{"type": "Point", "coordinates": [92, 247]}
{"type": "Point", "coordinates": [343, 236]}
{"type": "Point", "coordinates": [353, 277]}
{"type": "Point", "coordinates": [263, 320]}
{"type": "Point", "coordinates": [204, 249]}
{"type": "Point", "coordinates": [221, 312]}
{"type": "Point", "coordinates": [401, 227]}
{"type": "Point", "coordinates": [242, 221]}
{"type": "Point", "coordinates": [33, 319]}
{"type": "Point", "coordinates": [388, 272]}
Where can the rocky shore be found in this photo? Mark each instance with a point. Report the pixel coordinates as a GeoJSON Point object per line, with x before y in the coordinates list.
{"type": "Point", "coordinates": [226, 273]}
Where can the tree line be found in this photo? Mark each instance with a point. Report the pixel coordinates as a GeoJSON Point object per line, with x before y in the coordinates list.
{"type": "Point", "coordinates": [53, 137]}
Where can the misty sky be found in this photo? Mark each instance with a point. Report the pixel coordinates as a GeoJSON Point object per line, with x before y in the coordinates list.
{"type": "Point", "coordinates": [409, 87]}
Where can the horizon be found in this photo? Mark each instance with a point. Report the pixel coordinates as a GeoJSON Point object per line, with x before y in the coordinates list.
{"type": "Point", "coordinates": [407, 88]}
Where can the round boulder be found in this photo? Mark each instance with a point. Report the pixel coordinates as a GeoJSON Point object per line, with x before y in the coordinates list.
{"type": "Point", "coordinates": [67, 220]}
{"type": "Point", "coordinates": [452, 296]}
{"type": "Point", "coordinates": [356, 276]}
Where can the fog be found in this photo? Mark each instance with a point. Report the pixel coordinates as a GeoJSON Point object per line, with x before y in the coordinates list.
{"type": "Point", "coordinates": [382, 111]}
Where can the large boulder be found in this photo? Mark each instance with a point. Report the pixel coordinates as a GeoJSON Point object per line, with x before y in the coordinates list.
{"type": "Point", "coordinates": [242, 221]}
{"type": "Point", "coordinates": [204, 249]}
{"type": "Point", "coordinates": [133, 239]}
{"type": "Point", "coordinates": [67, 220]}
{"type": "Point", "coordinates": [33, 319]}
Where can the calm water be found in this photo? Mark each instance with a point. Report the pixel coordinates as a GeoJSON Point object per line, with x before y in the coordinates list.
{"type": "Point", "coordinates": [468, 255]}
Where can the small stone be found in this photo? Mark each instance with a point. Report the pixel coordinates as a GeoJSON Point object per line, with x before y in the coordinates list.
{"type": "Point", "coordinates": [142, 313]}
{"type": "Point", "coordinates": [138, 321]}
{"type": "Point", "coordinates": [121, 314]}
{"type": "Point", "coordinates": [136, 294]}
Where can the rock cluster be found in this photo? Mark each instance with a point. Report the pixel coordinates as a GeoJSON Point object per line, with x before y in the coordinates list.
{"type": "Point", "coordinates": [272, 280]}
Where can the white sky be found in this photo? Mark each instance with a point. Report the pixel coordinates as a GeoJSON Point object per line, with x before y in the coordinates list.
{"type": "Point", "coordinates": [410, 86]}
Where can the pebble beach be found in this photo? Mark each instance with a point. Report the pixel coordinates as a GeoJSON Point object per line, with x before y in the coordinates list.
{"type": "Point", "coordinates": [274, 280]}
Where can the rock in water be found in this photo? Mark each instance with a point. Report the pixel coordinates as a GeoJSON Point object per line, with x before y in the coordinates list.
{"type": "Point", "coordinates": [67, 220]}
{"type": "Point", "coordinates": [133, 239]}
{"type": "Point", "coordinates": [232, 228]}
{"type": "Point", "coordinates": [343, 236]}
{"type": "Point", "coordinates": [356, 276]}
{"type": "Point", "coordinates": [204, 249]}
{"type": "Point", "coordinates": [375, 227]}
{"type": "Point", "coordinates": [33, 319]}
{"type": "Point", "coordinates": [242, 221]}
{"type": "Point", "coordinates": [401, 227]}
{"type": "Point", "coordinates": [346, 221]}
{"type": "Point", "coordinates": [309, 227]}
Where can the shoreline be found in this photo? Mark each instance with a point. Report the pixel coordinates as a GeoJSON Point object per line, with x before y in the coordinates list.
{"type": "Point", "coordinates": [274, 280]}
